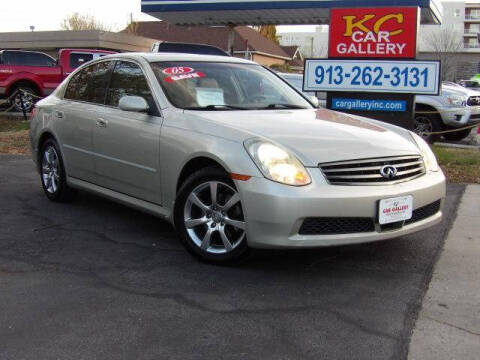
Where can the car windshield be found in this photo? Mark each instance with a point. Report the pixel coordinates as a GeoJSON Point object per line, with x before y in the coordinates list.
{"type": "Point", "coordinates": [225, 86]}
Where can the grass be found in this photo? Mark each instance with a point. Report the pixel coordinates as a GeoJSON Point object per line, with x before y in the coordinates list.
{"type": "Point", "coordinates": [14, 138]}
{"type": "Point", "coordinates": [13, 125]}
{"type": "Point", "coordinates": [459, 165]}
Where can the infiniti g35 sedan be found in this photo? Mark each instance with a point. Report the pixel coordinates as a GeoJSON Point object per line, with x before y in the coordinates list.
{"type": "Point", "coordinates": [231, 155]}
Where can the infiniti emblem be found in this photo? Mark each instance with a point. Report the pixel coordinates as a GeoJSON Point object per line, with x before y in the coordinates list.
{"type": "Point", "coordinates": [388, 171]}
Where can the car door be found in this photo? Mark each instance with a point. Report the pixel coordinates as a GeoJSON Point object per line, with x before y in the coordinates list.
{"type": "Point", "coordinates": [77, 113]}
{"type": "Point", "coordinates": [127, 143]}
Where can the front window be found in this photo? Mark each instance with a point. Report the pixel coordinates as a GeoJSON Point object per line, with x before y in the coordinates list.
{"type": "Point", "coordinates": [224, 86]}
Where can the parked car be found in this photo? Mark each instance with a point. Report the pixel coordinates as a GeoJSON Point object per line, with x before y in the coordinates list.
{"type": "Point", "coordinates": [469, 84]}
{"type": "Point", "coordinates": [37, 73]}
{"type": "Point", "coordinates": [296, 80]}
{"type": "Point", "coordinates": [179, 47]}
{"type": "Point", "coordinates": [194, 140]}
{"type": "Point", "coordinates": [455, 107]}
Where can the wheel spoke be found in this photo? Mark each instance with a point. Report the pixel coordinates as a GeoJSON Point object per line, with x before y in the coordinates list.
{"type": "Point", "coordinates": [54, 184]}
{"type": "Point", "coordinates": [206, 239]}
{"type": "Point", "coordinates": [235, 223]}
{"type": "Point", "coordinates": [190, 223]}
{"type": "Point", "coordinates": [45, 158]}
{"type": "Point", "coordinates": [194, 199]}
{"type": "Point", "coordinates": [232, 201]}
{"type": "Point", "coordinates": [213, 192]}
{"type": "Point", "coordinates": [50, 156]}
{"type": "Point", "coordinates": [223, 236]}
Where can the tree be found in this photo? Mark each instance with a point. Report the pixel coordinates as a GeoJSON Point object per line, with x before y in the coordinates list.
{"type": "Point", "coordinates": [444, 43]}
{"type": "Point", "coordinates": [269, 31]}
{"type": "Point", "coordinates": [77, 21]}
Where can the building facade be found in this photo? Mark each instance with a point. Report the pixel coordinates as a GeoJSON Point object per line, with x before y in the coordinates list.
{"type": "Point", "coordinates": [311, 44]}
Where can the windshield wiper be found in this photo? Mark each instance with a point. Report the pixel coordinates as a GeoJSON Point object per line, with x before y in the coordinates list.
{"type": "Point", "coordinates": [286, 106]}
{"type": "Point", "coordinates": [215, 107]}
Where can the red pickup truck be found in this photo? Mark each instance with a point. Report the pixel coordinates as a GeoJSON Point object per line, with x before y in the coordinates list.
{"type": "Point", "coordinates": [37, 73]}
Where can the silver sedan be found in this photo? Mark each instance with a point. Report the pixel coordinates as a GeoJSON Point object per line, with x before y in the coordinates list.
{"type": "Point", "coordinates": [231, 155]}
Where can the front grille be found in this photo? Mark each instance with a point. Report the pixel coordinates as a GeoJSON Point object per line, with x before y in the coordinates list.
{"type": "Point", "coordinates": [424, 212]}
{"type": "Point", "coordinates": [475, 116]}
{"type": "Point", "coordinates": [334, 226]}
{"type": "Point", "coordinates": [473, 101]}
{"type": "Point", "coordinates": [367, 171]}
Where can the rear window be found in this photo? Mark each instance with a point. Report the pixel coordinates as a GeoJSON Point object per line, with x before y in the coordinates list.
{"type": "Point", "coordinates": [78, 59]}
{"type": "Point", "coordinates": [24, 58]}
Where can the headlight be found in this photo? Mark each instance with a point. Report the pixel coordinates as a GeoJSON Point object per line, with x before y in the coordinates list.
{"type": "Point", "coordinates": [456, 100]}
{"type": "Point", "coordinates": [427, 153]}
{"type": "Point", "coordinates": [276, 163]}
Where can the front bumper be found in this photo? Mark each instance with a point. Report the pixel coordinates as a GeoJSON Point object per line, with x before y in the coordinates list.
{"type": "Point", "coordinates": [274, 212]}
{"type": "Point", "coordinates": [462, 116]}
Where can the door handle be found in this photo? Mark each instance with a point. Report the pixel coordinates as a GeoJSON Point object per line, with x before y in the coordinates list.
{"type": "Point", "coordinates": [102, 123]}
{"type": "Point", "coordinates": [58, 114]}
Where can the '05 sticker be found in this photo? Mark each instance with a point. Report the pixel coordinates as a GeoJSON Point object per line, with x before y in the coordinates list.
{"type": "Point", "coordinates": [177, 70]}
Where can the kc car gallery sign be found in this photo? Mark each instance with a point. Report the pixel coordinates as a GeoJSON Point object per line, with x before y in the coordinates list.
{"type": "Point", "coordinates": [371, 68]}
{"type": "Point", "coordinates": [377, 32]}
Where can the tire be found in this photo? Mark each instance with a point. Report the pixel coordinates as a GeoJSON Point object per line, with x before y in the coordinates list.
{"type": "Point", "coordinates": [52, 173]}
{"type": "Point", "coordinates": [212, 231]}
{"type": "Point", "coordinates": [457, 135]}
{"type": "Point", "coordinates": [427, 123]}
{"type": "Point", "coordinates": [28, 100]}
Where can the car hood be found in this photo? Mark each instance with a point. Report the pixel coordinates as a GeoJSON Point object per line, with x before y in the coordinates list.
{"type": "Point", "coordinates": [460, 90]}
{"type": "Point", "coordinates": [314, 135]}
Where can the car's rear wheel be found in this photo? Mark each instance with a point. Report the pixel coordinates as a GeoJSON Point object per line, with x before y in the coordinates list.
{"type": "Point", "coordinates": [457, 135]}
{"type": "Point", "coordinates": [52, 173]}
{"type": "Point", "coordinates": [209, 217]}
{"type": "Point", "coordinates": [425, 124]}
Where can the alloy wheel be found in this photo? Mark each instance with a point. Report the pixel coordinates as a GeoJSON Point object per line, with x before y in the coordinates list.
{"type": "Point", "coordinates": [423, 126]}
{"type": "Point", "coordinates": [28, 102]}
{"type": "Point", "coordinates": [50, 170]}
{"type": "Point", "coordinates": [213, 217]}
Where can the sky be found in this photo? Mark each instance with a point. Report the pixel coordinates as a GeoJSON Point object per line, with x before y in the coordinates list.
{"type": "Point", "coordinates": [19, 15]}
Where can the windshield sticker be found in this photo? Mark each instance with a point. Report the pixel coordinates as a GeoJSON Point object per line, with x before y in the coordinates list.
{"type": "Point", "coordinates": [210, 96]}
{"type": "Point", "coordinates": [194, 75]}
{"type": "Point", "coordinates": [177, 70]}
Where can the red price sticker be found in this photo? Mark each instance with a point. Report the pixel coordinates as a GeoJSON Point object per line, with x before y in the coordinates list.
{"type": "Point", "coordinates": [192, 75]}
{"type": "Point", "coordinates": [177, 70]}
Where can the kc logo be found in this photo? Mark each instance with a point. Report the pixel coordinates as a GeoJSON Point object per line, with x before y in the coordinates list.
{"type": "Point", "coordinates": [351, 24]}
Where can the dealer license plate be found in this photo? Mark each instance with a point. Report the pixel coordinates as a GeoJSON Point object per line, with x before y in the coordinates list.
{"type": "Point", "coordinates": [395, 209]}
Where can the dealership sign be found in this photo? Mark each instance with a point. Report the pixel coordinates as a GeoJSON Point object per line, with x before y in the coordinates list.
{"type": "Point", "coordinates": [373, 32]}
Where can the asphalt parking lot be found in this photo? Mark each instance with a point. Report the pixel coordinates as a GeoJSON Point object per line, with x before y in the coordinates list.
{"type": "Point", "coordinates": [96, 280]}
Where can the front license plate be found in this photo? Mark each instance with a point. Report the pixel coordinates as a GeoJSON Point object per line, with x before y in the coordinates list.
{"type": "Point", "coordinates": [395, 209]}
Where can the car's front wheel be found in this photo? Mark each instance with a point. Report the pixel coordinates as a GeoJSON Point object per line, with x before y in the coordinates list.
{"type": "Point", "coordinates": [425, 124]}
{"type": "Point", "coordinates": [209, 217]}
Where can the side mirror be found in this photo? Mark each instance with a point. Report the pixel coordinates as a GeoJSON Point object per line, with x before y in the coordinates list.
{"type": "Point", "coordinates": [133, 103]}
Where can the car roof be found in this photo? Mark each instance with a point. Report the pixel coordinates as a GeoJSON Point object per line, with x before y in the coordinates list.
{"type": "Point", "coordinates": [154, 57]}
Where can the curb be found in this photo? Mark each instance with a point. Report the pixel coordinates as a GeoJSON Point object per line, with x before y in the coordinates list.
{"type": "Point", "coordinates": [448, 326]}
